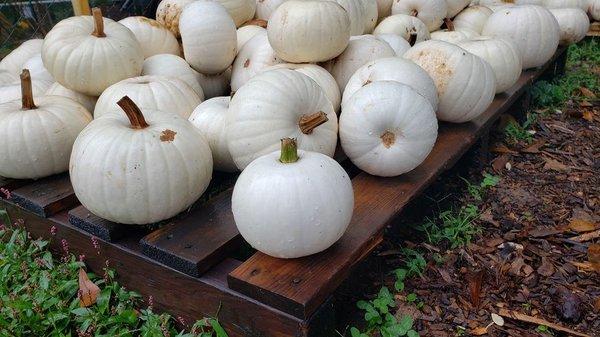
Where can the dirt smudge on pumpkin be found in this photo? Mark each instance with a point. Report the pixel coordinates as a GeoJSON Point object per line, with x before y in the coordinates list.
{"type": "Point", "coordinates": [435, 63]}
{"type": "Point", "coordinates": [151, 22]}
{"type": "Point", "coordinates": [388, 139]}
{"type": "Point", "coordinates": [167, 135]}
{"type": "Point", "coordinates": [247, 63]}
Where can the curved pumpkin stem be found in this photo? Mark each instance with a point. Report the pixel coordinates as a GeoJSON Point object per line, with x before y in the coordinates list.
{"type": "Point", "coordinates": [136, 118]}
{"type": "Point", "coordinates": [289, 151]}
{"type": "Point", "coordinates": [27, 102]}
{"type": "Point", "coordinates": [98, 22]}
{"type": "Point", "coordinates": [256, 22]}
{"type": "Point", "coordinates": [449, 24]}
{"type": "Point", "coordinates": [308, 123]}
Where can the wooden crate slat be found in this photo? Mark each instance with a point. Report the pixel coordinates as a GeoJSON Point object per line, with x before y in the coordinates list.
{"type": "Point", "coordinates": [46, 196]}
{"type": "Point", "coordinates": [82, 218]}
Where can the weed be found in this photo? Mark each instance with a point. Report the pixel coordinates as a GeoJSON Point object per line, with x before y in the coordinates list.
{"type": "Point", "coordinates": [516, 132]}
{"type": "Point", "coordinates": [379, 318]}
{"type": "Point", "coordinates": [478, 191]}
{"type": "Point", "coordinates": [544, 330]}
{"type": "Point", "coordinates": [455, 228]}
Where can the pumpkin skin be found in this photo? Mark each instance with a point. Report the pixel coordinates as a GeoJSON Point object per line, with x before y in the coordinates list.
{"type": "Point", "coordinates": [269, 107]}
{"type": "Point", "coordinates": [89, 102]}
{"type": "Point", "coordinates": [456, 6]}
{"type": "Point", "coordinates": [11, 92]}
{"type": "Point", "coordinates": [473, 18]}
{"type": "Point", "coordinates": [166, 94]}
{"type": "Point", "coordinates": [431, 12]}
{"type": "Point", "coordinates": [152, 36]}
{"type": "Point", "coordinates": [454, 36]}
{"type": "Point", "coordinates": [13, 62]}
{"type": "Point", "coordinates": [210, 119]}
{"type": "Point", "coordinates": [403, 25]}
{"type": "Point", "coordinates": [36, 68]}
{"type": "Point", "coordinates": [393, 69]}
{"type": "Point", "coordinates": [309, 31]}
{"type": "Point", "coordinates": [387, 128]}
{"type": "Point", "coordinates": [384, 8]}
{"type": "Point", "coordinates": [265, 8]}
{"type": "Point", "coordinates": [304, 208]}
{"type": "Point", "coordinates": [533, 29]}
{"type": "Point", "coordinates": [209, 37]}
{"type": "Point", "coordinates": [581, 4]}
{"type": "Point", "coordinates": [465, 83]}
{"type": "Point", "coordinates": [371, 15]}
{"type": "Point", "coordinates": [357, 13]}
{"type": "Point", "coordinates": [172, 66]}
{"type": "Point", "coordinates": [7, 78]}
{"type": "Point", "coordinates": [573, 24]}
{"type": "Point", "coordinates": [501, 54]}
{"type": "Point", "coordinates": [168, 13]}
{"type": "Point", "coordinates": [398, 44]}
{"type": "Point", "coordinates": [594, 9]}
{"type": "Point", "coordinates": [239, 10]}
{"type": "Point", "coordinates": [245, 33]}
{"type": "Point", "coordinates": [255, 56]}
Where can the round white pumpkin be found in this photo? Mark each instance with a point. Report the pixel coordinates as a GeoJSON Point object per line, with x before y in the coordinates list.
{"type": "Point", "coordinates": [168, 13]}
{"type": "Point", "coordinates": [276, 104]}
{"type": "Point", "coordinates": [265, 8]}
{"type": "Point", "coordinates": [309, 31]}
{"type": "Point", "coordinates": [215, 85]}
{"type": "Point", "coordinates": [594, 9]}
{"type": "Point", "coordinates": [305, 205]}
{"type": "Point", "coordinates": [153, 37]}
{"type": "Point", "coordinates": [403, 25]}
{"type": "Point", "coordinates": [454, 36]}
{"type": "Point", "coordinates": [371, 15]}
{"type": "Point", "coordinates": [255, 56]}
{"type": "Point", "coordinates": [89, 102]}
{"type": "Point", "coordinates": [573, 23]}
{"type": "Point", "coordinates": [239, 10]}
{"type": "Point", "coordinates": [397, 42]}
{"type": "Point", "coordinates": [13, 62]}
{"type": "Point", "coordinates": [387, 128]}
{"type": "Point", "coordinates": [357, 13]}
{"type": "Point", "coordinates": [12, 91]}
{"type": "Point", "coordinates": [473, 18]}
{"type": "Point", "coordinates": [533, 28]}
{"type": "Point", "coordinates": [465, 83]}
{"type": "Point", "coordinates": [142, 169]}
{"type": "Point", "coordinates": [431, 12]}
{"type": "Point", "coordinates": [245, 33]}
{"type": "Point", "coordinates": [384, 8]}
{"type": "Point", "coordinates": [456, 6]}
{"type": "Point", "coordinates": [105, 52]}
{"type": "Point", "coordinates": [36, 68]}
{"type": "Point", "coordinates": [209, 37]}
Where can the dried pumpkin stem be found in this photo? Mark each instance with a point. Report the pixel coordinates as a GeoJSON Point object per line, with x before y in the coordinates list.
{"type": "Point", "coordinates": [26, 91]}
{"type": "Point", "coordinates": [256, 22]}
{"type": "Point", "coordinates": [449, 24]}
{"type": "Point", "coordinates": [98, 22]}
{"type": "Point", "coordinates": [308, 123]}
{"type": "Point", "coordinates": [412, 40]}
{"type": "Point", "coordinates": [289, 151]}
{"type": "Point", "coordinates": [414, 12]}
{"type": "Point", "coordinates": [136, 118]}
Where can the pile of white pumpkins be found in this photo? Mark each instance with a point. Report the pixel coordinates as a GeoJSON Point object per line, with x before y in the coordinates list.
{"type": "Point", "coordinates": [142, 111]}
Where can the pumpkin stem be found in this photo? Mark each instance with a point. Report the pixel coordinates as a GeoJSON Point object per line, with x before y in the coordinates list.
{"type": "Point", "coordinates": [98, 22]}
{"type": "Point", "coordinates": [136, 118]}
{"type": "Point", "coordinates": [414, 12]}
{"type": "Point", "coordinates": [289, 151]}
{"type": "Point", "coordinates": [412, 40]}
{"type": "Point", "coordinates": [26, 91]}
{"type": "Point", "coordinates": [388, 139]}
{"type": "Point", "coordinates": [449, 24]}
{"type": "Point", "coordinates": [256, 22]}
{"type": "Point", "coordinates": [308, 123]}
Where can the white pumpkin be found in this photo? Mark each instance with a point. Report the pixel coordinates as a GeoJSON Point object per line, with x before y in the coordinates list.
{"type": "Point", "coordinates": [357, 13]}
{"type": "Point", "coordinates": [393, 69]}
{"type": "Point", "coordinates": [36, 68]}
{"type": "Point", "coordinates": [594, 9]}
{"type": "Point", "coordinates": [533, 28]}
{"type": "Point", "coordinates": [153, 37]}
{"type": "Point", "coordinates": [165, 94]}
{"type": "Point", "coordinates": [37, 136]}
{"type": "Point", "coordinates": [456, 6]}
{"type": "Point", "coordinates": [501, 54]}
{"type": "Point", "coordinates": [431, 12]}
{"type": "Point", "coordinates": [239, 10]}
{"type": "Point", "coordinates": [361, 49]}
{"type": "Point", "coordinates": [265, 8]}
{"type": "Point", "coordinates": [12, 91]}
{"type": "Point", "coordinates": [168, 13]}
{"type": "Point", "coordinates": [106, 52]}
{"type": "Point", "coordinates": [371, 15]}
{"type": "Point", "coordinates": [255, 56]}
{"type": "Point", "coordinates": [13, 62]}
{"type": "Point", "coordinates": [397, 42]}
{"type": "Point", "coordinates": [215, 85]}
{"type": "Point", "coordinates": [573, 23]}
{"type": "Point", "coordinates": [387, 128]}
{"type": "Point", "coordinates": [209, 37]}
{"type": "Point", "coordinates": [384, 8]}
{"type": "Point", "coordinates": [581, 4]}
{"type": "Point", "coordinates": [245, 33]}
{"type": "Point", "coordinates": [210, 118]}
{"type": "Point", "coordinates": [7, 78]}
{"type": "Point", "coordinates": [453, 35]}
{"type": "Point", "coordinates": [305, 206]}
{"type": "Point", "coordinates": [497, 3]}
{"type": "Point", "coordinates": [276, 104]}
{"type": "Point", "coordinates": [141, 169]}
{"type": "Point", "coordinates": [309, 31]}
{"type": "Point", "coordinates": [473, 18]}
{"type": "Point", "coordinates": [405, 26]}
{"type": "Point", "coordinates": [465, 83]}
{"type": "Point", "coordinates": [89, 102]}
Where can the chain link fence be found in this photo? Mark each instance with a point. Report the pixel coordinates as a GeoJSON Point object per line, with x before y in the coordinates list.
{"type": "Point", "coordinates": [22, 20]}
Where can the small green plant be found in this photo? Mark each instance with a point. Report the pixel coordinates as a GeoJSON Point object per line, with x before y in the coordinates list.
{"type": "Point", "coordinates": [478, 191]}
{"type": "Point", "coordinates": [543, 329]}
{"type": "Point", "coordinates": [457, 228]}
{"type": "Point", "coordinates": [516, 132]}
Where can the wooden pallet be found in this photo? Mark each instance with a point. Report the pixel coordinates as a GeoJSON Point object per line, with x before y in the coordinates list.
{"type": "Point", "coordinates": [191, 265]}
{"type": "Point", "coordinates": [594, 29]}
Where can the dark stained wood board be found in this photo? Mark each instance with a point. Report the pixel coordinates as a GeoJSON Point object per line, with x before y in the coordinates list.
{"type": "Point", "coordinates": [299, 286]}
{"type": "Point", "coordinates": [46, 196]}
{"type": "Point", "coordinates": [82, 218]}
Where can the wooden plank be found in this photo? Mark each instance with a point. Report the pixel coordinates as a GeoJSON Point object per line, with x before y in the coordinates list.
{"type": "Point", "coordinates": [299, 286]}
{"type": "Point", "coordinates": [82, 218]}
{"type": "Point", "coordinates": [46, 196]}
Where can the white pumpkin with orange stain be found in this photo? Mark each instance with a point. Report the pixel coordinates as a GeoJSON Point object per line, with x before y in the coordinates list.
{"type": "Point", "coordinates": [574, 24]}
{"type": "Point", "coordinates": [473, 18]}
{"type": "Point", "coordinates": [139, 167]}
{"type": "Point", "coordinates": [431, 12]}
{"type": "Point", "coordinates": [153, 37]}
{"type": "Point", "coordinates": [89, 102]}
{"type": "Point", "coordinates": [465, 83]}
{"type": "Point", "coordinates": [255, 56]}
{"type": "Point", "coordinates": [168, 13]}
{"type": "Point", "coordinates": [403, 25]}
{"type": "Point", "coordinates": [13, 62]}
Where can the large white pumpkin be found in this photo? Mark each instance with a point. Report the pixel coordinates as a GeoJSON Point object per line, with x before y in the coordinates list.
{"type": "Point", "coordinates": [357, 13]}
{"type": "Point", "coordinates": [501, 54]}
{"type": "Point", "coordinates": [210, 117]}
{"type": "Point", "coordinates": [384, 8]}
{"type": "Point", "coordinates": [13, 62]}
{"type": "Point", "coordinates": [533, 28]}
{"type": "Point", "coordinates": [309, 31]}
{"type": "Point", "coordinates": [265, 8]}
{"type": "Point", "coordinates": [12, 91]}
{"type": "Point", "coordinates": [36, 68]}
{"type": "Point", "coordinates": [465, 83]}
{"type": "Point", "coordinates": [209, 37]}
{"type": "Point", "coordinates": [245, 33]}
{"type": "Point", "coordinates": [581, 4]}
{"type": "Point", "coordinates": [305, 204]}
{"type": "Point", "coordinates": [431, 12]}
{"type": "Point", "coordinates": [89, 102]}
{"type": "Point", "coordinates": [397, 42]}
{"type": "Point", "coordinates": [105, 52]}
{"type": "Point", "coordinates": [453, 35]}
{"type": "Point", "coordinates": [139, 169]}
{"type": "Point", "coordinates": [574, 24]}
{"type": "Point", "coordinates": [165, 94]}
{"type": "Point", "coordinates": [153, 37]}
{"type": "Point", "coordinates": [403, 25]}
{"type": "Point", "coordinates": [255, 56]}
{"type": "Point", "coordinates": [239, 10]}
{"type": "Point", "coordinates": [393, 69]}
{"type": "Point", "coordinates": [371, 15]}
{"type": "Point", "coordinates": [387, 128]}
{"type": "Point", "coordinates": [473, 18]}
{"type": "Point", "coordinates": [456, 6]}
{"type": "Point", "coordinates": [276, 104]}
{"type": "Point", "coordinates": [168, 13]}
{"type": "Point", "coordinates": [37, 136]}
{"type": "Point", "coordinates": [7, 78]}
{"type": "Point", "coordinates": [594, 9]}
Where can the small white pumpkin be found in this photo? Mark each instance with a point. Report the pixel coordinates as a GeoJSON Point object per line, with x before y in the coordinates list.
{"type": "Point", "coordinates": [13, 62]}
{"type": "Point", "coordinates": [581, 4]}
{"type": "Point", "coordinates": [456, 6]}
{"type": "Point", "coordinates": [276, 104]}
{"type": "Point", "coordinates": [210, 118]}
{"type": "Point", "coordinates": [533, 28]}
{"type": "Point", "coordinates": [309, 31]}
{"type": "Point", "coordinates": [405, 26]}
{"type": "Point", "coordinates": [209, 37]}
{"type": "Point", "coordinates": [168, 13]}
{"type": "Point", "coordinates": [255, 56]}
{"type": "Point", "coordinates": [384, 8]}
{"type": "Point", "coordinates": [165, 94]}
{"type": "Point", "coordinates": [37, 137]}
{"type": "Point", "coordinates": [89, 102]}
{"type": "Point", "coordinates": [105, 50]}
{"type": "Point", "coordinates": [371, 15]}
{"type": "Point", "coordinates": [239, 10]}
{"type": "Point", "coordinates": [574, 24]}
{"type": "Point", "coordinates": [431, 12]}
{"type": "Point", "coordinates": [501, 54]}
{"type": "Point", "coordinates": [465, 83]}
{"type": "Point", "coordinates": [361, 49]}
{"type": "Point", "coordinates": [393, 69]}
{"type": "Point", "coordinates": [397, 42]}
{"type": "Point", "coordinates": [594, 9]}
{"type": "Point", "coordinates": [473, 18]}
{"type": "Point", "coordinates": [245, 33]}
{"type": "Point", "coordinates": [387, 128]}
{"type": "Point", "coordinates": [453, 35]}
{"type": "Point", "coordinates": [305, 205]}
{"type": "Point", "coordinates": [36, 68]}
{"type": "Point", "coordinates": [153, 37]}
{"type": "Point", "coordinates": [141, 169]}
{"type": "Point", "coordinates": [265, 8]}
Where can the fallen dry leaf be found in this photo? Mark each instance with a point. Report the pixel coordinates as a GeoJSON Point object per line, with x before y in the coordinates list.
{"type": "Point", "coordinates": [594, 256]}
{"type": "Point", "coordinates": [585, 104]}
{"type": "Point", "coordinates": [88, 290]}
{"type": "Point", "coordinates": [501, 148]}
{"type": "Point", "coordinates": [582, 266]}
{"type": "Point", "coordinates": [475, 281]}
{"type": "Point", "coordinates": [479, 331]}
{"type": "Point", "coordinates": [535, 147]}
{"type": "Point", "coordinates": [581, 225]}
{"type": "Point", "coordinates": [587, 236]}
{"type": "Point", "coordinates": [555, 165]}
{"type": "Point", "coordinates": [539, 321]}
{"type": "Point", "coordinates": [546, 268]}
{"type": "Point", "coordinates": [597, 304]}
{"type": "Point", "coordinates": [588, 115]}
{"type": "Point", "coordinates": [587, 92]}
{"type": "Point", "coordinates": [499, 164]}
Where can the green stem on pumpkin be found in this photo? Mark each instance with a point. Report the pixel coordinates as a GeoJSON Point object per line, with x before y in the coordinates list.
{"type": "Point", "coordinates": [289, 151]}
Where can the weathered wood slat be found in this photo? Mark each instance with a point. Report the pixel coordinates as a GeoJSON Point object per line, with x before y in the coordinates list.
{"type": "Point", "coordinates": [46, 196]}
{"type": "Point", "coordinates": [82, 218]}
